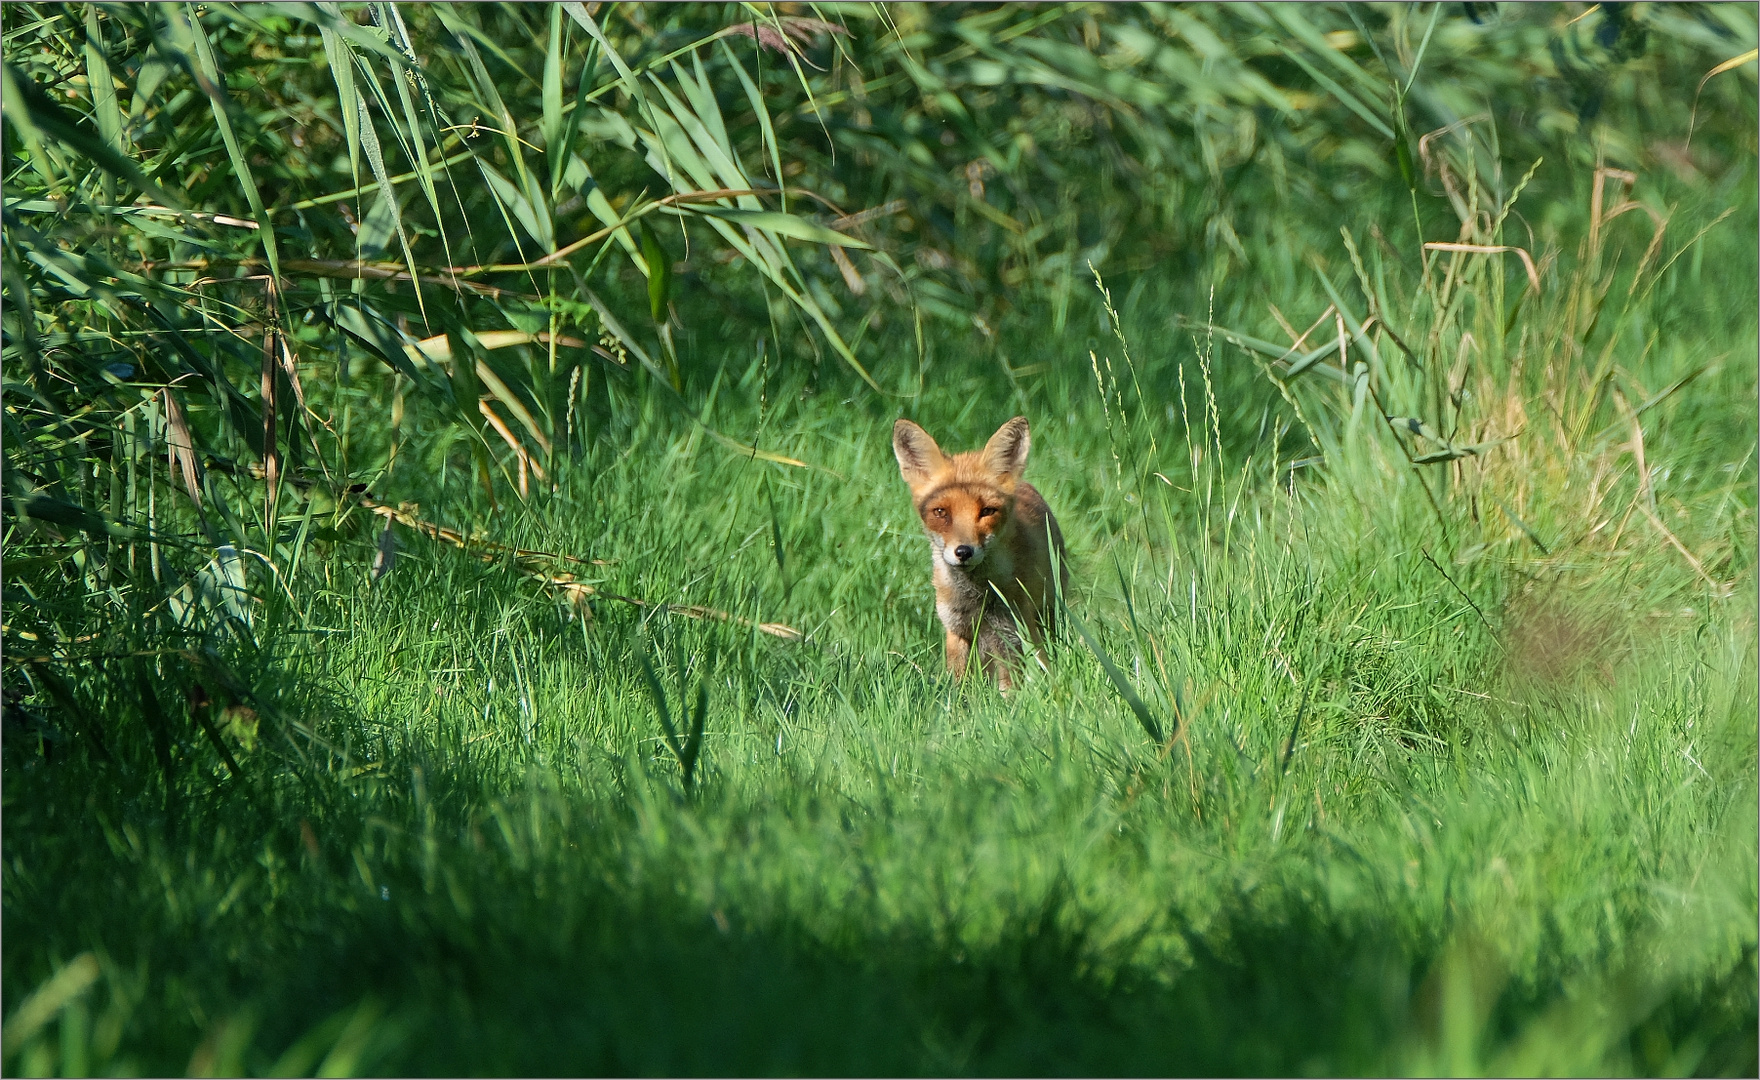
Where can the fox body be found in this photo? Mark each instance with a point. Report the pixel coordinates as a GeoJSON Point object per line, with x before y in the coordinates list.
{"type": "Point", "coordinates": [992, 539]}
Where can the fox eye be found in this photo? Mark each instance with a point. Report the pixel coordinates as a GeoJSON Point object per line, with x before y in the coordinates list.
{"type": "Point", "coordinates": [988, 511]}
{"type": "Point", "coordinates": [940, 512]}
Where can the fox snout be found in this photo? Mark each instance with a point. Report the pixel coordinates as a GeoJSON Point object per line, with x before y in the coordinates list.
{"type": "Point", "coordinates": [962, 555]}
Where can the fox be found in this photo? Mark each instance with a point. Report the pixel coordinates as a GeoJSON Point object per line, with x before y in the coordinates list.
{"type": "Point", "coordinates": [996, 550]}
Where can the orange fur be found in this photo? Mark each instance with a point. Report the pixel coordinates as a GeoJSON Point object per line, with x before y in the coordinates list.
{"type": "Point", "coordinates": [991, 537]}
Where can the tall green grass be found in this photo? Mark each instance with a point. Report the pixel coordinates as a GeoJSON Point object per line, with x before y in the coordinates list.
{"type": "Point", "coordinates": [598, 724]}
{"type": "Point", "coordinates": [1450, 793]}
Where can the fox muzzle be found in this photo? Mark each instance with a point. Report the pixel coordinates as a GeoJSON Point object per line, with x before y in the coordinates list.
{"type": "Point", "coordinates": [962, 555]}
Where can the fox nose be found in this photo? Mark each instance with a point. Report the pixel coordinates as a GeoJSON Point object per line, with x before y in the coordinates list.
{"type": "Point", "coordinates": [963, 552]}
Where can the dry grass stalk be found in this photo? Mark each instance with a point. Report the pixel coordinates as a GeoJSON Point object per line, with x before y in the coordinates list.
{"type": "Point", "coordinates": [180, 446]}
{"type": "Point", "coordinates": [577, 592]}
{"type": "Point", "coordinates": [1492, 249]}
{"type": "Point", "coordinates": [507, 436]}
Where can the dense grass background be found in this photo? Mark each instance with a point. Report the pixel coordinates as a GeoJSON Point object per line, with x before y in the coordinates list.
{"type": "Point", "coordinates": [1457, 766]}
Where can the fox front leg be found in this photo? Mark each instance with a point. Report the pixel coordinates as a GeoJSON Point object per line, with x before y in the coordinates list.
{"type": "Point", "coordinates": [998, 651]}
{"type": "Point", "coordinates": [958, 652]}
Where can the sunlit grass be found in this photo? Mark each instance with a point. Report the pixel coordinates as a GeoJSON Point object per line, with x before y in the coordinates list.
{"type": "Point", "coordinates": [429, 696]}
{"type": "Point", "coordinates": [1422, 814]}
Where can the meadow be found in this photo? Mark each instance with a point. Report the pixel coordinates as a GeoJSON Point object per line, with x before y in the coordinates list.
{"type": "Point", "coordinates": [589, 715]}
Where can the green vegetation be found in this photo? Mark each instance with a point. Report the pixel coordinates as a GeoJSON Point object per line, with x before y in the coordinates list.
{"type": "Point", "coordinates": [476, 624]}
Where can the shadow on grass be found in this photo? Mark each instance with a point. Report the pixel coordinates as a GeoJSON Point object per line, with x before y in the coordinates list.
{"type": "Point", "coordinates": [547, 951]}
{"type": "Point", "coordinates": [658, 987]}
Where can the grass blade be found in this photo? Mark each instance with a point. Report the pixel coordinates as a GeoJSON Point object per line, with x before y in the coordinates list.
{"type": "Point", "coordinates": [98, 77]}
{"type": "Point", "coordinates": [693, 744]}
{"type": "Point", "coordinates": [781, 224]}
{"type": "Point", "coordinates": [658, 693]}
{"type": "Point", "coordinates": [555, 152]}
{"type": "Point", "coordinates": [766, 130]}
{"type": "Point", "coordinates": [1119, 682]}
{"type": "Point", "coordinates": [659, 273]}
{"type": "Point", "coordinates": [212, 82]}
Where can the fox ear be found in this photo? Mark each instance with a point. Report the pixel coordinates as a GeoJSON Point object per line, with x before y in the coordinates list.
{"type": "Point", "coordinates": [1006, 452]}
{"type": "Point", "coordinates": [918, 456]}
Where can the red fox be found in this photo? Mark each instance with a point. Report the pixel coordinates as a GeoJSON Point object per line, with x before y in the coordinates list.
{"type": "Point", "coordinates": [993, 540]}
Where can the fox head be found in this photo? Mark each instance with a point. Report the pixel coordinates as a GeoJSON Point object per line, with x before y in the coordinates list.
{"type": "Point", "coordinates": [965, 500]}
